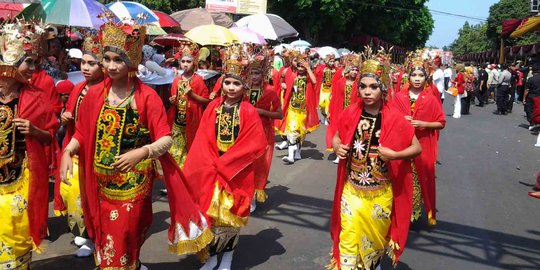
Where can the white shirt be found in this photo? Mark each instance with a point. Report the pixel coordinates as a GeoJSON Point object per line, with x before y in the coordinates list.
{"type": "Point", "coordinates": [448, 72]}
{"type": "Point", "coordinates": [438, 79]}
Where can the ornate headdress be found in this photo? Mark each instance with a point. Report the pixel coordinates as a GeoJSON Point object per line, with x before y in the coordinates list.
{"type": "Point", "coordinates": [294, 54]}
{"type": "Point", "coordinates": [352, 60]}
{"type": "Point", "coordinates": [378, 66]}
{"type": "Point", "coordinates": [188, 48]}
{"type": "Point", "coordinates": [16, 41]}
{"type": "Point", "coordinates": [416, 61]}
{"type": "Point", "coordinates": [233, 65]}
{"type": "Point", "coordinates": [92, 47]}
{"type": "Point", "coordinates": [125, 39]}
{"type": "Point", "coordinates": [329, 57]}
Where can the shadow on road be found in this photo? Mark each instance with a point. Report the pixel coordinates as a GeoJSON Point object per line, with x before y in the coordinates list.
{"type": "Point", "coordinates": [294, 209]}
{"type": "Point", "coordinates": [478, 245]}
{"type": "Point", "coordinates": [63, 262]}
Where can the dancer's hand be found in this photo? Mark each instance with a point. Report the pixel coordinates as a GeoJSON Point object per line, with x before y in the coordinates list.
{"type": "Point", "coordinates": [127, 161]}
{"type": "Point", "coordinates": [408, 118]}
{"type": "Point", "coordinates": [212, 95]}
{"type": "Point", "coordinates": [386, 154]}
{"type": "Point", "coordinates": [418, 124]}
{"type": "Point", "coordinates": [342, 151]}
{"type": "Point", "coordinates": [25, 126]}
{"type": "Point", "coordinates": [172, 100]}
{"type": "Point", "coordinates": [66, 117]}
{"type": "Point", "coordinates": [66, 168]}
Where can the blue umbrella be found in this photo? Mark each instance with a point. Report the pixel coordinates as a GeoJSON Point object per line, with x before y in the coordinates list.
{"type": "Point", "coordinates": [300, 43]}
{"type": "Point", "coordinates": [129, 11]}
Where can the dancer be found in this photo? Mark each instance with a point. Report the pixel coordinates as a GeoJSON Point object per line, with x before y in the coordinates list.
{"type": "Point", "coordinates": [343, 94]}
{"type": "Point", "coordinates": [372, 202]}
{"type": "Point", "coordinates": [121, 127]}
{"type": "Point", "coordinates": [266, 101]}
{"type": "Point", "coordinates": [300, 106]}
{"type": "Point", "coordinates": [189, 95]}
{"type": "Point", "coordinates": [424, 111]}
{"type": "Point", "coordinates": [28, 125]}
{"type": "Point", "coordinates": [67, 198]}
{"type": "Point", "coordinates": [221, 171]}
{"type": "Point", "coordinates": [325, 76]}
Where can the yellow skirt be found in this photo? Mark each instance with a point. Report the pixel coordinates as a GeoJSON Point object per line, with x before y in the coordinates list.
{"type": "Point", "coordinates": [71, 195]}
{"type": "Point", "coordinates": [365, 221]}
{"type": "Point", "coordinates": [295, 128]}
{"type": "Point", "coordinates": [417, 197]}
{"type": "Point", "coordinates": [179, 145]}
{"type": "Point", "coordinates": [324, 100]}
{"type": "Point", "coordinates": [15, 241]}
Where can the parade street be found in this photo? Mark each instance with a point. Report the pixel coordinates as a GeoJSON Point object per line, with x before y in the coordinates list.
{"type": "Point", "coordinates": [485, 219]}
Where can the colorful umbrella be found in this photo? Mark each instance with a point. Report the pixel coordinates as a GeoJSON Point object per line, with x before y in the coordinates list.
{"type": "Point", "coordinates": [247, 35]}
{"type": "Point", "coordinates": [83, 13]}
{"type": "Point", "coordinates": [129, 11]}
{"type": "Point", "coordinates": [212, 35]}
{"type": "Point", "coordinates": [191, 18]}
{"type": "Point", "coordinates": [153, 29]}
{"type": "Point", "coordinates": [270, 26]}
{"type": "Point", "coordinates": [10, 10]}
{"type": "Point", "coordinates": [165, 20]}
{"type": "Point", "coordinates": [170, 40]}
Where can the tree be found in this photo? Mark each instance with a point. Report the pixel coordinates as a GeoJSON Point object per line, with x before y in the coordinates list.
{"type": "Point", "coordinates": [470, 39]}
{"type": "Point", "coordinates": [407, 23]}
{"type": "Point", "coordinates": [505, 10]}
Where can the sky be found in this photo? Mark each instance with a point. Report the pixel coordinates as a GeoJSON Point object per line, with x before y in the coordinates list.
{"type": "Point", "coordinates": [447, 27]}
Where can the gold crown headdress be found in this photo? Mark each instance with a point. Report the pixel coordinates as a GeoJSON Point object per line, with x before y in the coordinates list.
{"type": "Point", "coordinates": [415, 60]}
{"type": "Point", "coordinates": [294, 54]}
{"type": "Point", "coordinates": [329, 57]}
{"type": "Point", "coordinates": [92, 47]}
{"type": "Point", "coordinates": [378, 64]}
{"type": "Point", "coordinates": [124, 39]}
{"type": "Point", "coordinates": [16, 41]}
{"type": "Point", "coordinates": [352, 60]}
{"type": "Point", "coordinates": [188, 48]}
{"type": "Point", "coordinates": [233, 64]}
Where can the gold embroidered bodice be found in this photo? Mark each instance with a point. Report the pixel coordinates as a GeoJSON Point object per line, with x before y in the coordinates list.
{"type": "Point", "coordinates": [227, 126]}
{"type": "Point", "coordinates": [255, 95]}
{"type": "Point", "coordinates": [78, 103]}
{"type": "Point", "coordinates": [365, 169]}
{"type": "Point", "coordinates": [328, 74]}
{"type": "Point", "coordinates": [181, 101]}
{"type": "Point", "coordinates": [12, 145]}
{"type": "Point", "coordinates": [298, 98]}
{"type": "Point", "coordinates": [348, 90]}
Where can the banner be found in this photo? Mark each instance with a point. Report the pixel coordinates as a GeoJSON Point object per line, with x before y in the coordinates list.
{"type": "Point", "coordinates": [237, 6]}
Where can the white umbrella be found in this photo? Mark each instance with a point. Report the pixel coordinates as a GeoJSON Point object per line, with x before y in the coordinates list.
{"type": "Point", "coordinates": [300, 43]}
{"type": "Point", "coordinates": [270, 26]}
{"type": "Point", "coordinates": [279, 48]}
{"type": "Point", "coordinates": [324, 51]}
{"type": "Point", "coordinates": [344, 51]}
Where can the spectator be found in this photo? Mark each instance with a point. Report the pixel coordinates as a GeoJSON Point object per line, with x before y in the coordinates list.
{"type": "Point", "coordinates": [532, 90]}
{"type": "Point", "coordinates": [494, 83]}
{"type": "Point", "coordinates": [482, 92]}
{"type": "Point", "coordinates": [447, 76]}
{"type": "Point", "coordinates": [503, 90]}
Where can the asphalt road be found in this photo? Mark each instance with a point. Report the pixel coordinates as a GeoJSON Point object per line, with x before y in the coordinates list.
{"type": "Point", "coordinates": [485, 218]}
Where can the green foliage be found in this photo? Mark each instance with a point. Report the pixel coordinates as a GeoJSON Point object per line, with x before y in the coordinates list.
{"type": "Point", "coordinates": [407, 23]}
{"type": "Point", "coordinates": [471, 38]}
{"type": "Point", "coordinates": [505, 10]}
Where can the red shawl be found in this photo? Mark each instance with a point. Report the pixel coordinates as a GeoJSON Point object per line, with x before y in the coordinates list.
{"type": "Point", "coordinates": [232, 170]}
{"type": "Point", "coordinates": [35, 107]}
{"type": "Point", "coordinates": [152, 115]}
{"type": "Point", "coordinates": [396, 134]}
{"type": "Point", "coordinates": [43, 81]}
{"type": "Point", "coordinates": [217, 86]}
{"type": "Point", "coordinates": [427, 108]}
{"type": "Point", "coordinates": [277, 80]}
{"type": "Point", "coordinates": [194, 109]}
{"type": "Point", "coordinates": [269, 102]}
{"type": "Point", "coordinates": [336, 106]}
{"type": "Point", "coordinates": [312, 118]}
{"type": "Point", "coordinates": [70, 130]}
{"type": "Point", "coordinates": [319, 76]}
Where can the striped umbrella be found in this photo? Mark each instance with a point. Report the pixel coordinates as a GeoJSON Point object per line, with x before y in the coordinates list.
{"type": "Point", "coordinates": [83, 13]}
{"type": "Point", "coordinates": [129, 11]}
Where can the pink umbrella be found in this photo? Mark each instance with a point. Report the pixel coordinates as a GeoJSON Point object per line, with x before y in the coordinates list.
{"type": "Point", "coordinates": [248, 36]}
